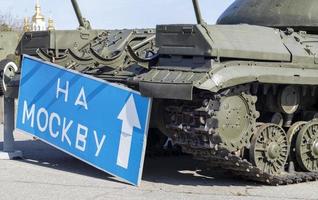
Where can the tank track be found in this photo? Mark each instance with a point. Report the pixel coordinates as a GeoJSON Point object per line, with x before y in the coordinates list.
{"type": "Point", "coordinates": [196, 140]}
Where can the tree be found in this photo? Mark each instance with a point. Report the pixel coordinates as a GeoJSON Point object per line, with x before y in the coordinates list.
{"type": "Point", "coordinates": [10, 23]}
{"type": "Point", "coordinates": [5, 27]}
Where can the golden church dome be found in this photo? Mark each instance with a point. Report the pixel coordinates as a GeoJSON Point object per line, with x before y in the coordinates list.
{"type": "Point", "coordinates": [38, 16]}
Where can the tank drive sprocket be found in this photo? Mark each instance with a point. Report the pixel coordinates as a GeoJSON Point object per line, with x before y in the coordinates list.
{"type": "Point", "coordinates": [232, 118]}
{"type": "Point", "coordinates": [233, 109]}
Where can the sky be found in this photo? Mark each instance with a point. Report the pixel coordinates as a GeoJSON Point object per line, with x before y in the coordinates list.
{"type": "Point", "coordinates": [115, 14]}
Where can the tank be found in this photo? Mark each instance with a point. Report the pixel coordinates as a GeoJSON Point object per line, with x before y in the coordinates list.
{"type": "Point", "coordinates": [242, 97]}
{"type": "Point", "coordinates": [106, 54]}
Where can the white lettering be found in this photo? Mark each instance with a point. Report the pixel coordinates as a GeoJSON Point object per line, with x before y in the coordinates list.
{"type": "Point", "coordinates": [28, 114]}
{"type": "Point", "coordinates": [46, 119]}
{"type": "Point", "coordinates": [81, 138]}
{"type": "Point", "coordinates": [64, 131]}
{"type": "Point", "coordinates": [81, 99]}
{"type": "Point", "coordinates": [52, 117]}
{"type": "Point", "coordinates": [99, 144]}
{"type": "Point", "coordinates": [61, 90]}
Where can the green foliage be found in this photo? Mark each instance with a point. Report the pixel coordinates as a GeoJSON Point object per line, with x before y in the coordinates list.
{"type": "Point", "coordinates": [10, 23]}
{"type": "Point", "coordinates": [5, 27]}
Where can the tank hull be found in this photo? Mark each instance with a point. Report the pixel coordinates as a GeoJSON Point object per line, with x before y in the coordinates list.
{"type": "Point", "coordinates": [231, 55]}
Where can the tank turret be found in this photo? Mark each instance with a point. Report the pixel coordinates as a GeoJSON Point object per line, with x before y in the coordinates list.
{"type": "Point", "coordinates": [300, 15]}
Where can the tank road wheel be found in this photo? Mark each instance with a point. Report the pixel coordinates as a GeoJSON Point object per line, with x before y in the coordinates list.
{"type": "Point", "coordinates": [269, 148]}
{"type": "Point", "coordinates": [294, 130]}
{"type": "Point", "coordinates": [292, 134]}
{"type": "Point", "coordinates": [307, 147]}
{"type": "Point", "coordinates": [236, 120]}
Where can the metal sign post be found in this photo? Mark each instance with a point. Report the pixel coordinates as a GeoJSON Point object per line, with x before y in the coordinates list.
{"type": "Point", "coordinates": [8, 127]}
{"type": "Point", "coordinates": [10, 88]}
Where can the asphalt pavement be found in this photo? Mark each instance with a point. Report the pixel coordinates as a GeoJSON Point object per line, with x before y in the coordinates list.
{"type": "Point", "coordinates": [47, 173]}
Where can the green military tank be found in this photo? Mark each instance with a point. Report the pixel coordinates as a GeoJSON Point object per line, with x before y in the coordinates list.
{"type": "Point", "coordinates": [242, 94]}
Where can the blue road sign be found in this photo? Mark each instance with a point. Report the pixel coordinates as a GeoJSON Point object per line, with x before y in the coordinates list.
{"type": "Point", "coordinates": [97, 122]}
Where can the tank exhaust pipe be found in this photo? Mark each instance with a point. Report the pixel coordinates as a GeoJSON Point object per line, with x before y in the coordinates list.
{"type": "Point", "coordinates": [81, 20]}
{"type": "Point", "coordinates": [197, 12]}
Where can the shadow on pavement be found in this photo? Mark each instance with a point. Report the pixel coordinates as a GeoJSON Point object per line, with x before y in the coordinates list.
{"type": "Point", "coordinates": [173, 170]}
{"type": "Point", "coordinates": [36, 152]}
{"type": "Point", "coordinates": [184, 170]}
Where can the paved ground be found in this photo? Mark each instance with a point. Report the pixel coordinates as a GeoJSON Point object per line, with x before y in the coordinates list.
{"type": "Point", "coordinates": [46, 173]}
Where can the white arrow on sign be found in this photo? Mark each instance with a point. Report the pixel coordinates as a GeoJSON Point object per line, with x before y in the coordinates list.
{"type": "Point", "coordinates": [130, 119]}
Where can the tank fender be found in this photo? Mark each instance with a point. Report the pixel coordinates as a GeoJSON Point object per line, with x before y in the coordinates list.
{"type": "Point", "coordinates": [169, 84]}
{"type": "Point", "coordinates": [174, 84]}
{"type": "Point", "coordinates": [231, 75]}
